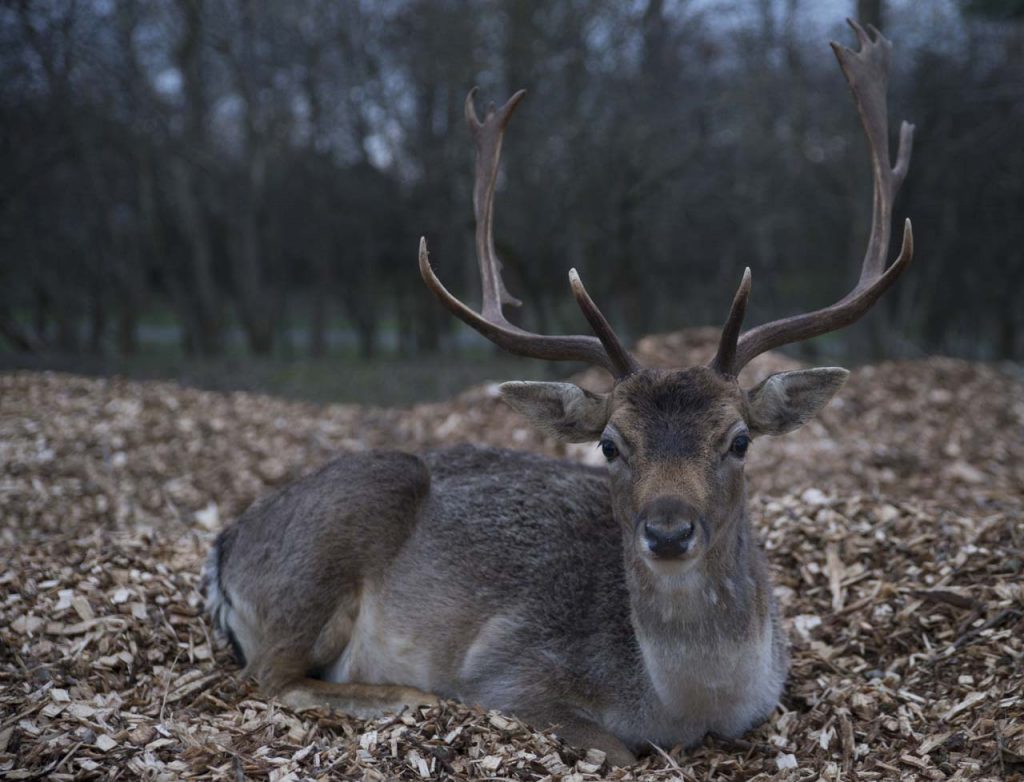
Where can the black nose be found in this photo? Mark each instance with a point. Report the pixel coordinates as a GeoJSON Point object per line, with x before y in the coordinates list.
{"type": "Point", "coordinates": [668, 526]}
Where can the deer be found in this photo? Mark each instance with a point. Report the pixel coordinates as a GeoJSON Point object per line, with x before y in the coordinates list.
{"type": "Point", "coordinates": [619, 606]}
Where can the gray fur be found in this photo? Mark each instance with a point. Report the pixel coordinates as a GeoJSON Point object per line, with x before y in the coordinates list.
{"type": "Point", "coordinates": [516, 582]}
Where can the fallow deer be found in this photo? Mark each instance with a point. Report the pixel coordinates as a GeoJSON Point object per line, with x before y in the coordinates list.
{"type": "Point", "coordinates": [622, 606]}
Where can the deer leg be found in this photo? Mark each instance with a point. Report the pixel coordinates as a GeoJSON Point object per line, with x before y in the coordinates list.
{"type": "Point", "coordinates": [586, 734]}
{"type": "Point", "coordinates": [363, 701]}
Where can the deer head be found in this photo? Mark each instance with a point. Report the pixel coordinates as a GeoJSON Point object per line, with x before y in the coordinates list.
{"type": "Point", "coordinates": [675, 440]}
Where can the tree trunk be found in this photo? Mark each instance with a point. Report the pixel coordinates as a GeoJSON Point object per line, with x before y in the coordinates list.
{"type": "Point", "coordinates": [204, 303]}
{"type": "Point", "coordinates": [40, 313]}
{"type": "Point", "coordinates": [128, 330]}
{"type": "Point", "coordinates": [97, 322]}
{"type": "Point", "coordinates": [367, 331]}
{"type": "Point", "coordinates": [67, 332]}
{"type": "Point", "coordinates": [406, 325]}
{"type": "Point", "coordinates": [204, 300]}
{"type": "Point", "coordinates": [16, 336]}
{"type": "Point", "coordinates": [254, 302]}
{"type": "Point", "coordinates": [318, 323]}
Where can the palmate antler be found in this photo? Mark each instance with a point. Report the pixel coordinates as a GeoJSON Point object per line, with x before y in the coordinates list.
{"type": "Point", "coordinates": [867, 72]}
{"type": "Point", "coordinates": [604, 350]}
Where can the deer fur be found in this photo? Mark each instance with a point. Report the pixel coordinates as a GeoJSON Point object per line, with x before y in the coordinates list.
{"type": "Point", "coordinates": [518, 582]}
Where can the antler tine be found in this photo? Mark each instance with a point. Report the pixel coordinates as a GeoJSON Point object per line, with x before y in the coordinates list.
{"type": "Point", "coordinates": [512, 338]}
{"type": "Point", "coordinates": [867, 73]}
{"type": "Point", "coordinates": [726, 355]}
{"type": "Point", "coordinates": [487, 136]}
{"type": "Point", "coordinates": [618, 354]}
{"type": "Point", "coordinates": [604, 350]}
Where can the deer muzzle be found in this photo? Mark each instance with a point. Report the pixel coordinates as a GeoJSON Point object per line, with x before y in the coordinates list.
{"type": "Point", "coordinates": [667, 525]}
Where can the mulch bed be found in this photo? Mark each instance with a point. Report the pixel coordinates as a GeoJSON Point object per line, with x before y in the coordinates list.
{"type": "Point", "coordinates": [895, 528]}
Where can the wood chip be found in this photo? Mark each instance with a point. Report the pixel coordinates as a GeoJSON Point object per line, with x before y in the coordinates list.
{"type": "Point", "coordinates": [105, 743]}
{"type": "Point", "coordinates": [966, 703]}
{"type": "Point", "coordinates": [899, 574]}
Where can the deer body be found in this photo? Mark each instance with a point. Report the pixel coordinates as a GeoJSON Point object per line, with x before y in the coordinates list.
{"type": "Point", "coordinates": [542, 617]}
{"type": "Point", "coordinates": [621, 606]}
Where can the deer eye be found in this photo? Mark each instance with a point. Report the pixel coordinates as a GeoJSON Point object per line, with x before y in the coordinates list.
{"type": "Point", "coordinates": [739, 446]}
{"type": "Point", "coordinates": [609, 449]}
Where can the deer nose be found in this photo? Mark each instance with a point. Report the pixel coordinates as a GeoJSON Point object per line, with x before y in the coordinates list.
{"type": "Point", "coordinates": [668, 526]}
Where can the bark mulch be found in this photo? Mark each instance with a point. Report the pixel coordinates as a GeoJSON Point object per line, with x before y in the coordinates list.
{"type": "Point", "coordinates": [893, 523]}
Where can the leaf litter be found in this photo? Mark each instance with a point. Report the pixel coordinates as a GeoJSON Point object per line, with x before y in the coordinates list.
{"type": "Point", "coordinates": [893, 524]}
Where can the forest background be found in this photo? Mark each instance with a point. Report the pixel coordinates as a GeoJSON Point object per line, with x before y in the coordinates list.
{"type": "Point", "coordinates": [231, 192]}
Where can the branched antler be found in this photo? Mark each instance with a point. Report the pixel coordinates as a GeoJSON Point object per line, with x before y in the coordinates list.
{"type": "Point", "coordinates": [604, 350]}
{"type": "Point", "coordinates": [867, 72]}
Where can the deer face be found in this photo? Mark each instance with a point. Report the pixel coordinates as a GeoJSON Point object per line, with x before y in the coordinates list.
{"type": "Point", "coordinates": [675, 442]}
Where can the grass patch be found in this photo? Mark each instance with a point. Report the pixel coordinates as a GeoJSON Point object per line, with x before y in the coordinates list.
{"type": "Point", "coordinates": [386, 381]}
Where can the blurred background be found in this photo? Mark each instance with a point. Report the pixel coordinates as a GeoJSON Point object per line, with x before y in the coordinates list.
{"type": "Point", "coordinates": [231, 192]}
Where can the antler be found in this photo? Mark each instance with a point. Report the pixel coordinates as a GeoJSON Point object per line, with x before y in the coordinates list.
{"type": "Point", "coordinates": [604, 350]}
{"type": "Point", "coordinates": [867, 73]}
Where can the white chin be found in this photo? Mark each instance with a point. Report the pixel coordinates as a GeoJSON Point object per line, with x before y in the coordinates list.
{"type": "Point", "coordinates": [673, 573]}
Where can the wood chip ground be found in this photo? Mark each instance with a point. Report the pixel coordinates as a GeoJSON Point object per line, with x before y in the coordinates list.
{"type": "Point", "coordinates": [893, 523]}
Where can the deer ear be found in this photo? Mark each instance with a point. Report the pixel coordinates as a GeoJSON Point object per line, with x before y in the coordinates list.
{"type": "Point", "coordinates": [563, 410]}
{"type": "Point", "coordinates": [787, 400]}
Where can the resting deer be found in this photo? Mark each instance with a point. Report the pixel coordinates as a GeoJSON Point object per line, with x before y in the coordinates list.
{"type": "Point", "coordinates": [621, 606]}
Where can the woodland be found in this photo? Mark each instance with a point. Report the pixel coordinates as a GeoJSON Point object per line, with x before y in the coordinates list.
{"type": "Point", "coordinates": [229, 177]}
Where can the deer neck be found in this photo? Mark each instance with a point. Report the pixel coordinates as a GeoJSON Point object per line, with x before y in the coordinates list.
{"type": "Point", "coordinates": [706, 639]}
